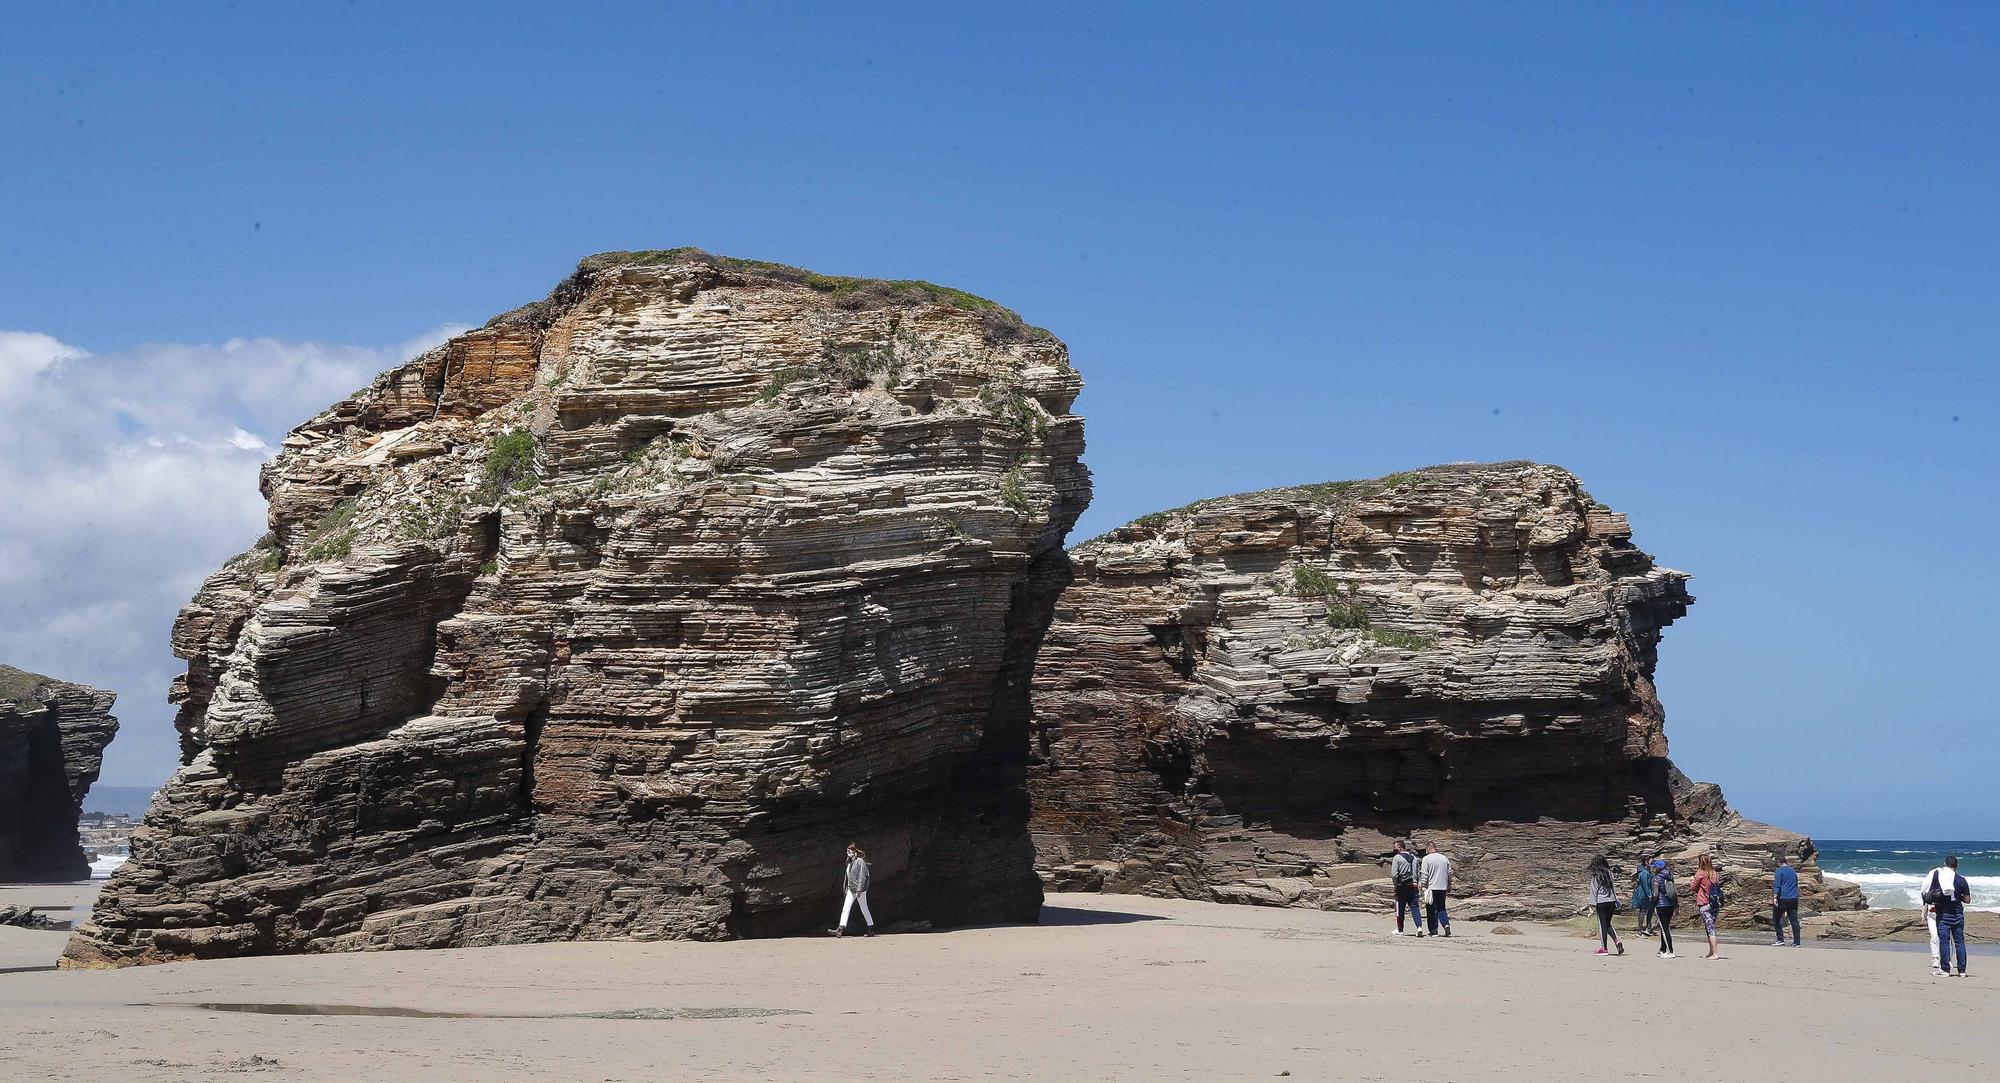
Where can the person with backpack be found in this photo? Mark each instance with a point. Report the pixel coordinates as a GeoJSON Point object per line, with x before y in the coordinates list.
{"type": "Point", "coordinates": [1946, 890]}
{"type": "Point", "coordinates": [855, 882]}
{"type": "Point", "coordinates": [1708, 900]}
{"type": "Point", "coordinates": [1434, 876]}
{"type": "Point", "coordinates": [1604, 899]}
{"type": "Point", "coordinates": [1642, 899]}
{"type": "Point", "coordinates": [1784, 900]}
{"type": "Point", "coordinates": [1666, 897]}
{"type": "Point", "coordinates": [1403, 877]}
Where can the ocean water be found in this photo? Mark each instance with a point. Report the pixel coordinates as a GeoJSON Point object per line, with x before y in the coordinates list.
{"type": "Point", "coordinates": [1892, 872]}
{"type": "Point", "coordinates": [105, 865]}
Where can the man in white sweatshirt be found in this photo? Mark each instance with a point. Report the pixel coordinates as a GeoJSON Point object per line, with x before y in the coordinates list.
{"type": "Point", "coordinates": [1435, 877]}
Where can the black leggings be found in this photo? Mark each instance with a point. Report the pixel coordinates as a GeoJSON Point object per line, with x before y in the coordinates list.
{"type": "Point", "coordinates": [1666, 916]}
{"type": "Point", "coordinates": [1605, 937]}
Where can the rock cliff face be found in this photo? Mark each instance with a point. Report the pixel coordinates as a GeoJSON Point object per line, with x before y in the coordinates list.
{"type": "Point", "coordinates": [617, 618]}
{"type": "Point", "coordinates": [52, 738]}
{"type": "Point", "coordinates": [1251, 698]}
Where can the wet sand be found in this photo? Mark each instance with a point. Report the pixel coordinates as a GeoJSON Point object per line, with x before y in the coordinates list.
{"type": "Point", "coordinates": [1108, 987]}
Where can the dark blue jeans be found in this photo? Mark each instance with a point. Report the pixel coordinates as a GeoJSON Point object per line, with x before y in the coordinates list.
{"type": "Point", "coordinates": [1406, 897]}
{"type": "Point", "coordinates": [1434, 914]}
{"type": "Point", "coordinates": [1951, 929]}
{"type": "Point", "coordinates": [1778, 911]}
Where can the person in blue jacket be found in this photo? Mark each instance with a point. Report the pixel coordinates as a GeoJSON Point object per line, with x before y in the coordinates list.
{"type": "Point", "coordinates": [1642, 899]}
{"type": "Point", "coordinates": [1665, 898]}
{"type": "Point", "coordinates": [1784, 900]}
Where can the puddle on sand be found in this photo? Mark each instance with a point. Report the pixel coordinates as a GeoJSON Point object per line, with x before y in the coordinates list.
{"type": "Point", "coordinates": [419, 1013]}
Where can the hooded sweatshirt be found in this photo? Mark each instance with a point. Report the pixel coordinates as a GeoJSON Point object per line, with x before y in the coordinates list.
{"type": "Point", "coordinates": [1642, 890]}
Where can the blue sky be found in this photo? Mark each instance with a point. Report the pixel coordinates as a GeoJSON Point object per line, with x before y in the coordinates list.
{"type": "Point", "coordinates": [1735, 267]}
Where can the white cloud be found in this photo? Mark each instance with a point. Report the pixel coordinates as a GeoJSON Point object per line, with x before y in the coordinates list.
{"type": "Point", "coordinates": [125, 479]}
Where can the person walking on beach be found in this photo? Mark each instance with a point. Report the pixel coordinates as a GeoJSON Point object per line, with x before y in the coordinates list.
{"type": "Point", "coordinates": [1784, 901]}
{"type": "Point", "coordinates": [1948, 891]}
{"type": "Point", "coordinates": [1642, 899]}
{"type": "Point", "coordinates": [1403, 877]}
{"type": "Point", "coordinates": [1434, 876]}
{"type": "Point", "coordinates": [1604, 898]}
{"type": "Point", "coordinates": [1666, 897]}
{"type": "Point", "coordinates": [1708, 901]}
{"type": "Point", "coordinates": [856, 883]}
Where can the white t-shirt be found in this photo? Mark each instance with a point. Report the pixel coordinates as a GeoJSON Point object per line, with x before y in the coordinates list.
{"type": "Point", "coordinates": [1436, 875]}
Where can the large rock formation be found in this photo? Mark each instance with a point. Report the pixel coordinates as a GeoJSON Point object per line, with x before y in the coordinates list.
{"type": "Point", "coordinates": [52, 738]}
{"type": "Point", "coordinates": [617, 618]}
{"type": "Point", "coordinates": [1250, 698]}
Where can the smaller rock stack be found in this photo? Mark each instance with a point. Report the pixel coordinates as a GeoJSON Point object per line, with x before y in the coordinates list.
{"type": "Point", "coordinates": [52, 738]}
{"type": "Point", "coordinates": [1250, 699]}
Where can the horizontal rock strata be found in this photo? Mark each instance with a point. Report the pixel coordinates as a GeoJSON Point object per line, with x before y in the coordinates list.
{"type": "Point", "coordinates": [52, 738]}
{"type": "Point", "coordinates": [619, 617]}
{"type": "Point", "coordinates": [1251, 698]}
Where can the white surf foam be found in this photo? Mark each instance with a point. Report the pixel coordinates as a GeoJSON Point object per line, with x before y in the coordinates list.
{"type": "Point", "coordinates": [1904, 891]}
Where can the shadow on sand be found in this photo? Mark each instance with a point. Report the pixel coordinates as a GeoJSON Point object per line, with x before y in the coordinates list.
{"type": "Point", "coordinates": [1076, 915]}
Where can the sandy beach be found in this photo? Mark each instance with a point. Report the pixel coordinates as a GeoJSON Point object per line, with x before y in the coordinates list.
{"type": "Point", "coordinates": [1108, 987]}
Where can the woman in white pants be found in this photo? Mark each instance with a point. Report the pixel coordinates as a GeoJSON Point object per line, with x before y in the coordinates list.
{"type": "Point", "coordinates": [856, 883]}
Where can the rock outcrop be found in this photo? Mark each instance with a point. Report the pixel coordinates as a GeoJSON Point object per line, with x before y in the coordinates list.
{"type": "Point", "coordinates": [1250, 699]}
{"type": "Point", "coordinates": [619, 617]}
{"type": "Point", "coordinates": [52, 738]}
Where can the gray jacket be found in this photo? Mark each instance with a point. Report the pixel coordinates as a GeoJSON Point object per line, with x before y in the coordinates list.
{"type": "Point", "coordinates": [857, 875]}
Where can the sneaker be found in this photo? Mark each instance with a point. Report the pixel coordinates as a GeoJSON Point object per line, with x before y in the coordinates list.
{"type": "Point", "coordinates": [837, 932]}
{"type": "Point", "coordinates": [1936, 973]}
{"type": "Point", "coordinates": [870, 931]}
{"type": "Point", "coordinates": [1601, 951]}
{"type": "Point", "coordinates": [1669, 955]}
{"type": "Point", "coordinates": [1621, 949]}
{"type": "Point", "coordinates": [1447, 930]}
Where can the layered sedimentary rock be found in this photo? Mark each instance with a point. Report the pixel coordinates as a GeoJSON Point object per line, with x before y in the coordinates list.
{"type": "Point", "coordinates": [1251, 698]}
{"type": "Point", "coordinates": [619, 617]}
{"type": "Point", "coordinates": [52, 738]}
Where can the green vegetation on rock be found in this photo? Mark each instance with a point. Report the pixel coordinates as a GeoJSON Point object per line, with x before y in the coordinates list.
{"type": "Point", "coordinates": [1014, 492]}
{"type": "Point", "coordinates": [510, 466]}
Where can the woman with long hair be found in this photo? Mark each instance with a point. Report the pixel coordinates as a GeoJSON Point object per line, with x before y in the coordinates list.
{"type": "Point", "coordinates": [854, 884]}
{"type": "Point", "coordinates": [1705, 882]}
{"type": "Point", "coordinates": [1604, 897]}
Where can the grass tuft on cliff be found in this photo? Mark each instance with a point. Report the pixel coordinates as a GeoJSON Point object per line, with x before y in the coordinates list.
{"type": "Point", "coordinates": [999, 323]}
{"type": "Point", "coordinates": [1330, 494]}
{"type": "Point", "coordinates": [18, 685]}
